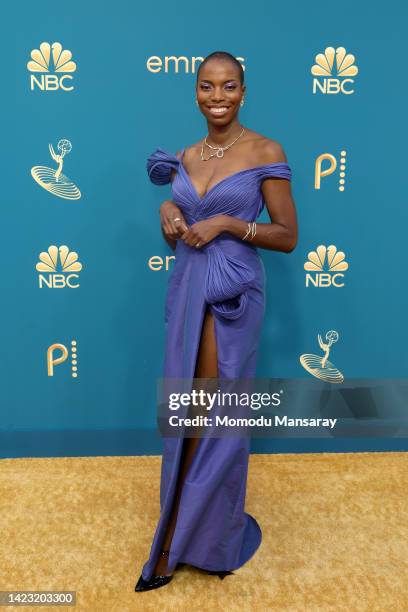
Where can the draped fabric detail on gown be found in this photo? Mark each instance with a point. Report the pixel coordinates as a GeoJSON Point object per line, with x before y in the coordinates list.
{"type": "Point", "coordinates": [275, 170]}
{"type": "Point", "coordinates": [227, 278]}
{"type": "Point", "coordinates": [160, 165]}
{"type": "Point", "coordinates": [212, 531]}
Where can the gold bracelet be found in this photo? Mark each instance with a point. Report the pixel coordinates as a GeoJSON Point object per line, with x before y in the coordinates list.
{"type": "Point", "coordinates": [249, 229]}
{"type": "Point", "coordinates": [253, 230]}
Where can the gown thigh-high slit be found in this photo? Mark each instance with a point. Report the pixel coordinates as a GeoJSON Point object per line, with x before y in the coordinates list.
{"type": "Point", "coordinates": [227, 275]}
{"type": "Point", "coordinates": [206, 367]}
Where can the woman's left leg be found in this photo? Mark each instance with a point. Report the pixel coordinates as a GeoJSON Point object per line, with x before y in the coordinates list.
{"type": "Point", "coordinates": [206, 367]}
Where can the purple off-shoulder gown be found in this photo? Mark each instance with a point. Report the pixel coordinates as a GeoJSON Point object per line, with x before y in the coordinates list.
{"type": "Point", "coordinates": [213, 531]}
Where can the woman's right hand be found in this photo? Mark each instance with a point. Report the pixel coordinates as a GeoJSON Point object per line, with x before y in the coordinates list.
{"type": "Point", "coordinates": [172, 228]}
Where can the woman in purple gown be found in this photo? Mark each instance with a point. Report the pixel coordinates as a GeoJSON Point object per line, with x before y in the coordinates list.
{"type": "Point", "coordinates": [213, 316]}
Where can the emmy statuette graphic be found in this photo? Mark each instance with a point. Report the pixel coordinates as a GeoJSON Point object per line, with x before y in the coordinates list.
{"type": "Point", "coordinates": [319, 366]}
{"type": "Point", "coordinates": [53, 180]}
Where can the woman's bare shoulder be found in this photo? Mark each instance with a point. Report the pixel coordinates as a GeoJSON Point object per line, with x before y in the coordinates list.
{"type": "Point", "coordinates": [190, 151]}
{"type": "Point", "coordinates": [266, 150]}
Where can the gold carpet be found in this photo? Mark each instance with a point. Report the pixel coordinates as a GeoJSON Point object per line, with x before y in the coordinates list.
{"type": "Point", "coordinates": [335, 534]}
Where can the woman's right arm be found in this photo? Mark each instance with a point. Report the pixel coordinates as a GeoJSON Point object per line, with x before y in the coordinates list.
{"type": "Point", "coordinates": [172, 230]}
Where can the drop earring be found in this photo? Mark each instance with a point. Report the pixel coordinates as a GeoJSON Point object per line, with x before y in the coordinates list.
{"type": "Point", "coordinates": [242, 102]}
{"type": "Point", "coordinates": [196, 101]}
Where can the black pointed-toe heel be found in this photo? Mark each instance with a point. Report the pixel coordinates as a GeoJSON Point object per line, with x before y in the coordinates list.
{"type": "Point", "coordinates": [156, 581]}
{"type": "Point", "coordinates": [221, 575]}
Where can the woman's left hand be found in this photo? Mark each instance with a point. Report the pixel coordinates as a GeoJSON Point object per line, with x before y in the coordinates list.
{"type": "Point", "coordinates": [202, 232]}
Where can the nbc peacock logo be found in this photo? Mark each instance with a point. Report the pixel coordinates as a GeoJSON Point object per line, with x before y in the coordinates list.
{"type": "Point", "coordinates": [52, 179]}
{"type": "Point", "coordinates": [320, 366]}
{"type": "Point", "coordinates": [58, 268]}
{"type": "Point", "coordinates": [325, 267]}
{"type": "Point", "coordinates": [333, 71]}
{"type": "Point", "coordinates": [53, 68]}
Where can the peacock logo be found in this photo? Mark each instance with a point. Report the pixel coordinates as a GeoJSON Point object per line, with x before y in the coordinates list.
{"type": "Point", "coordinates": [52, 179]}
{"type": "Point", "coordinates": [334, 67]}
{"type": "Point", "coordinates": [53, 66]}
{"type": "Point", "coordinates": [319, 366]}
{"type": "Point", "coordinates": [325, 267]}
{"type": "Point", "coordinates": [58, 268]}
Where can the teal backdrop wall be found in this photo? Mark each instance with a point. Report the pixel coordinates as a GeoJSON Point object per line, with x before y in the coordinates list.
{"type": "Point", "coordinates": [117, 112]}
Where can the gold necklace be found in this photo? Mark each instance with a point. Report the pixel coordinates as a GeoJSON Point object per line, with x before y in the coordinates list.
{"type": "Point", "coordinates": [219, 151]}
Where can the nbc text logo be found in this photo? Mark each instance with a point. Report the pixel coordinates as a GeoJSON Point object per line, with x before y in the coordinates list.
{"type": "Point", "coordinates": [51, 59]}
{"type": "Point", "coordinates": [54, 360]}
{"type": "Point", "coordinates": [334, 68]}
{"type": "Point", "coordinates": [48, 266]}
{"type": "Point", "coordinates": [329, 169]}
{"type": "Point", "coordinates": [329, 259]}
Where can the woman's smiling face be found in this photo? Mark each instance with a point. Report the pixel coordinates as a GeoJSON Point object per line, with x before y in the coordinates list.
{"type": "Point", "coordinates": [219, 91]}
